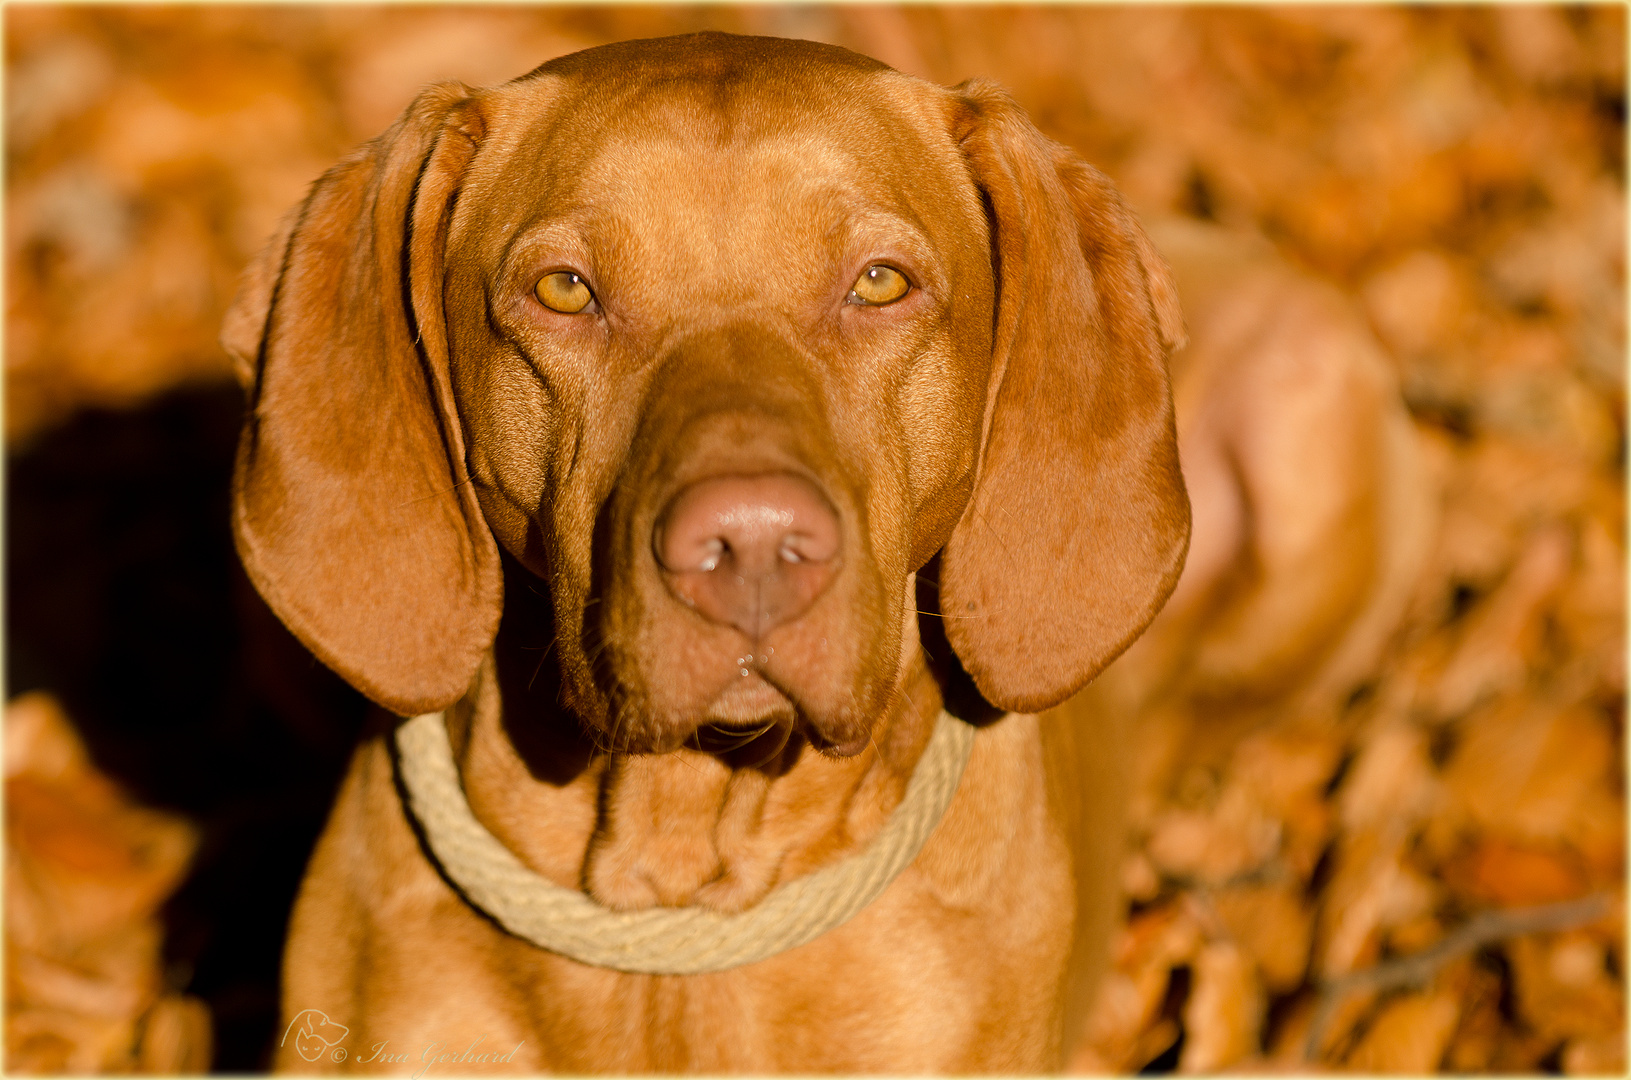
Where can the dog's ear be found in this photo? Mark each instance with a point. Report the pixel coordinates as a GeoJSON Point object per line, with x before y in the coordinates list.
{"type": "Point", "coordinates": [1079, 522]}
{"type": "Point", "coordinates": [352, 507]}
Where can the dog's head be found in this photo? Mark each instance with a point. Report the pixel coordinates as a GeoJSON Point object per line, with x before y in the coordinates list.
{"type": "Point", "coordinates": [722, 338]}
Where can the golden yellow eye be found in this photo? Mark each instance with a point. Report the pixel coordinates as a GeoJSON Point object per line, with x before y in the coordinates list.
{"type": "Point", "coordinates": [563, 291]}
{"type": "Point", "coordinates": [879, 284]}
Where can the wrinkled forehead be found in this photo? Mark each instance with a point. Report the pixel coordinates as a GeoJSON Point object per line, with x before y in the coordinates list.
{"type": "Point", "coordinates": [727, 93]}
{"type": "Point", "coordinates": [672, 148]}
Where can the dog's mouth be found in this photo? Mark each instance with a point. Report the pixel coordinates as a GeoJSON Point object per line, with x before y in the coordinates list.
{"type": "Point", "coordinates": [750, 719]}
{"type": "Point", "coordinates": [755, 717]}
{"type": "Point", "coordinates": [748, 702]}
{"type": "Point", "coordinates": [762, 742]}
{"type": "Point", "coordinates": [754, 707]}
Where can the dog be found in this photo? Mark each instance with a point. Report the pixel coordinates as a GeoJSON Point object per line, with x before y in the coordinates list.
{"type": "Point", "coordinates": [1314, 508]}
{"type": "Point", "coordinates": [692, 438]}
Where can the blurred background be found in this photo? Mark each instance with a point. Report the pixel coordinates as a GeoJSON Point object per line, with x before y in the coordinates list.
{"type": "Point", "coordinates": [1418, 868]}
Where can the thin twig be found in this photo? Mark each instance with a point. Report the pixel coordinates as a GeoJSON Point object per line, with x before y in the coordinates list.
{"type": "Point", "coordinates": [1485, 928]}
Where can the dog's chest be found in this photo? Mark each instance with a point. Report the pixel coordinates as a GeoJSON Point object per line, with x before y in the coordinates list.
{"type": "Point", "coordinates": [949, 970]}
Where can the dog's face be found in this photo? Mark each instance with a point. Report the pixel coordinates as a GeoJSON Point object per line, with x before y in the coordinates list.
{"type": "Point", "coordinates": [729, 336]}
{"type": "Point", "coordinates": [759, 307]}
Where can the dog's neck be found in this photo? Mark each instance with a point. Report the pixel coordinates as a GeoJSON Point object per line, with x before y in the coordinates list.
{"type": "Point", "coordinates": [681, 828]}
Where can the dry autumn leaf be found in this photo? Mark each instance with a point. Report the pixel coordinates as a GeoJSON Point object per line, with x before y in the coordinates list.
{"type": "Point", "coordinates": [1454, 175]}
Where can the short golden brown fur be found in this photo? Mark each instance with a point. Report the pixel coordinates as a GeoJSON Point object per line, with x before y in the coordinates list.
{"type": "Point", "coordinates": [449, 492]}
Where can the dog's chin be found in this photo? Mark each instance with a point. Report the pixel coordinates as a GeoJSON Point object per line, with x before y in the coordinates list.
{"type": "Point", "coordinates": [752, 706]}
{"type": "Point", "coordinates": [750, 709]}
{"type": "Point", "coordinates": [749, 703]}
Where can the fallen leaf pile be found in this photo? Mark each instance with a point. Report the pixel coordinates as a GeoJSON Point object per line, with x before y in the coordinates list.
{"type": "Point", "coordinates": [1425, 873]}
{"type": "Point", "coordinates": [86, 872]}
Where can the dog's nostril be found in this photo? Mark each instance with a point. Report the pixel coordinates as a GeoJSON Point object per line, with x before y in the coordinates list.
{"type": "Point", "coordinates": [748, 551]}
{"type": "Point", "coordinates": [713, 550]}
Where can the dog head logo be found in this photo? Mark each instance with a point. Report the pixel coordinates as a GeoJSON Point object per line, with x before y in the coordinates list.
{"type": "Point", "coordinates": [314, 1035]}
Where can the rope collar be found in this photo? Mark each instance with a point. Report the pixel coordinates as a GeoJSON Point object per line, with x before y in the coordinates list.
{"type": "Point", "coordinates": [665, 941]}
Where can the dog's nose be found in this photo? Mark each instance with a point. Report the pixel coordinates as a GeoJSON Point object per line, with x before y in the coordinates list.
{"type": "Point", "coordinates": [751, 552]}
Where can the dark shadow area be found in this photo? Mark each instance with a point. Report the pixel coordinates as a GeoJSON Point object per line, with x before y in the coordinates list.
{"type": "Point", "coordinates": [554, 746]}
{"type": "Point", "coordinates": [962, 698]}
{"type": "Point", "coordinates": [126, 600]}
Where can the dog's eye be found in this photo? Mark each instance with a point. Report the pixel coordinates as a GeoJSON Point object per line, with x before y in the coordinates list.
{"type": "Point", "coordinates": [879, 284]}
{"type": "Point", "coordinates": [563, 291]}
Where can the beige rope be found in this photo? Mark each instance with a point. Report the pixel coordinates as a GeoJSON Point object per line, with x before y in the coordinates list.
{"type": "Point", "coordinates": [665, 941]}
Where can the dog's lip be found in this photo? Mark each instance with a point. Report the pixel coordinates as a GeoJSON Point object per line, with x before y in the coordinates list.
{"type": "Point", "coordinates": [740, 727]}
{"type": "Point", "coordinates": [754, 704]}
{"type": "Point", "coordinates": [846, 749]}
{"type": "Point", "coordinates": [748, 702]}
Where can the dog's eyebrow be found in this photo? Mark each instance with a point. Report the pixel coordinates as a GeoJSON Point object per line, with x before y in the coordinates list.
{"type": "Point", "coordinates": [882, 234]}
{"type": "Point", "coordinates": [590, 234]}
